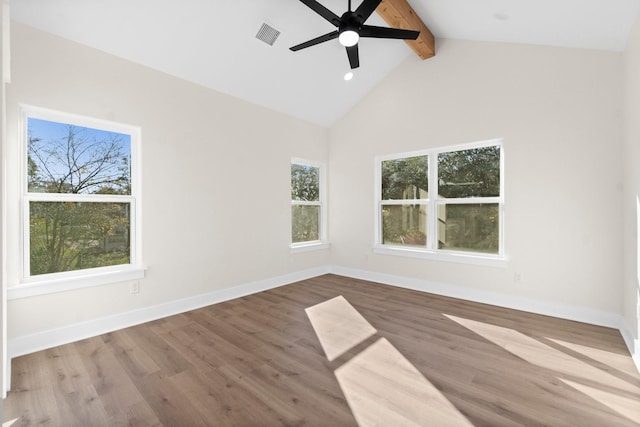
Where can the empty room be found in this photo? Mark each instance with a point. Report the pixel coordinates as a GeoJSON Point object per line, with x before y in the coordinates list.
{"type": "Point", "coordinates": [320, 213]}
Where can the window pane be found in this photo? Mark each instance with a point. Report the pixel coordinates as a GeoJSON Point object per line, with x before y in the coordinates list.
{"type": "Point", "coordinates": [404, 179]}
{"type": "Point", "coordinates": [64, 158]}
{"type": "Point", "coordinates": [66, 236]}
{"type": "Point", "coordinates": [469, 173]}
{"type": "Point", "coordinates": [404, 225]}
{"type": "Point", "coordinates": [305, 222]}
{"type": "Point", "coordinates": [472, 227]}
{"type": "Point", "coordinates": [305, 183]}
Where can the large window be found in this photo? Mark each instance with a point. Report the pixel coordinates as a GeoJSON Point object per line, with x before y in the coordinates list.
{"type": "Point", "coordinates": [307, 200]}
{"type": "Point", "coordinates": [443, 201]}
{"type": "Point", "coordinates": [80, 198]}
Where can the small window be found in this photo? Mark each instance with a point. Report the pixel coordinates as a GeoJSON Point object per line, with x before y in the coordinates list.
{"type": "Point", "coordinates": [81, 198]}
{"type": "Point", "coordinates": [442, 201]}
{"type": "Point", "coordinates": [307, 204]}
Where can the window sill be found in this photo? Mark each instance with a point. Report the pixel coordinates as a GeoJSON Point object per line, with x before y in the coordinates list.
{"type": "Point", "coordinates": [309, 246]}
{"type": "Point", "coordinates": [448, 256]}
{"type": "Point", "coordinates": [67, 283]}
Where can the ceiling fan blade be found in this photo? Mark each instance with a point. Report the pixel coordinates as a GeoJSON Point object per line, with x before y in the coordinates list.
{"type": "Point", "coordinates": [388, 33]}
{"type": "Point", "coordinates": [323, 11]}
{"type": "Point", "coordinates": [366, 8]}
{"type": "Point", "coordinates": [326, 37]}
{"type": "Point", "coordinates": [354, 58]}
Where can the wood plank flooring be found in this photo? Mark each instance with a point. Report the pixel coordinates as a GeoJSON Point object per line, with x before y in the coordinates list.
{"type": "Point", "coordinates": [257, 361]}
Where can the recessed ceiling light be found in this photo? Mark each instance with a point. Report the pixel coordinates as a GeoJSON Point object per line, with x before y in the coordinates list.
{"type": "Point", "coordinates": [348, 76]}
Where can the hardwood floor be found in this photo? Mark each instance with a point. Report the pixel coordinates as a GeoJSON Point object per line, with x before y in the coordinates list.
{"type": "Point", "coordinates": [333, 351]}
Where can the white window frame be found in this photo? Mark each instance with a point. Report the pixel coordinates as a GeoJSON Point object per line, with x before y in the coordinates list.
{"type": "Point", "coordinates": [431, 251]}
{"type": "Point", "coordinates": [322, 242]}
{"type": "Point", "coordinates": [63, 281]}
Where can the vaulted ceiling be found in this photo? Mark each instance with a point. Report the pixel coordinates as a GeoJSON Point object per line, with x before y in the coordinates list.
{"type": "Point", "coordinates": [213, 42]}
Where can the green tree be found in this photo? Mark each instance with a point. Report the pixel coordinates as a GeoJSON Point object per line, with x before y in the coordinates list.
{"type": "Point", "coordinates": [469, 173]}
{"type": "Point", "coordinates": [405, 178]}
{"type": "Point", "coordinates": [305, 182]}
{"type": "Point", "coordinates": [461, 174]}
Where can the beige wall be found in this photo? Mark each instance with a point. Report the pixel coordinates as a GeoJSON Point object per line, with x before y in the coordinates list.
{"type": "Point", "coordinates": [559, 112]}
{"type": "Point", "coordinates": [215, 178]}
{"type": "Point", "coordinates": [631, 156]}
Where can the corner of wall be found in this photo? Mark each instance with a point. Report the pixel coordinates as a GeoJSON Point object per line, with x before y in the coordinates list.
{"type": "Point", "coordinates": [4, 79]}
{"type": "Point", "coordinates": [633, 345]}
{"type": "Point", "coordinates": [631, 202]}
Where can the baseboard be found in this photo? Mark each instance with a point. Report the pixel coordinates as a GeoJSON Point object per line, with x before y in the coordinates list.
{"type": "Point", "coordinates": [633, 345]}
{"type": "Point", "coordinates": [563, 311]}
{"type": "Point", "coordinates": [19, 346]}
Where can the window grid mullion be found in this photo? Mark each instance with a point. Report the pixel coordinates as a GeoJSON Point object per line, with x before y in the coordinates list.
{"type": "Point", "coordinates": [432, 211]}
{"type": "Point", "coordinates": [305, 203]}
{"type": "Point", "coordinates": [73, 197]}
{"type": "Point", "coordinates": [405, 202]}
{"type": "Point", "coordinates": [469, 201]}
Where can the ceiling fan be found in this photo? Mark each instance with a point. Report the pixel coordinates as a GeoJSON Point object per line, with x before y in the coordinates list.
{"type": "Point", "coordinates": [351, 26]}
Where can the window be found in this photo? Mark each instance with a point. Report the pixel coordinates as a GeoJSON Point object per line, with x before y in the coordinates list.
{"type": "Point", "coordinates": [442, 202]}
{"type": "Point", "coordinates": [307, 203]}
{"type": "Point", "coordinates": [80, 199]}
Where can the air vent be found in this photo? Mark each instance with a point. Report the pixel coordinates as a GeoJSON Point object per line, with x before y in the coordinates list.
{"type": "Point", "coordinates": [267, 34]}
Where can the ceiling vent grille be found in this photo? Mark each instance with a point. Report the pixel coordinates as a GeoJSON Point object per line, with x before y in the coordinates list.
{"type": "Point", "coordinates": [267, 34]}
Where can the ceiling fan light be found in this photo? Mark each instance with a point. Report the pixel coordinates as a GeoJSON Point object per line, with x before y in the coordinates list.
{"type": "Point", "coordinates": [348, 38]}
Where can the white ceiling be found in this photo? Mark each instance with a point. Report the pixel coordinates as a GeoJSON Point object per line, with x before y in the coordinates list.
{"type": "Point", "coordinates": [212, 42]}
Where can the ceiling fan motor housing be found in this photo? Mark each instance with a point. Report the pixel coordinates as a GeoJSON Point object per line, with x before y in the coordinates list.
{"type": "Point", "coordinates": [349, 21]}
{"type": "Point", "coordinates": [351, 26]}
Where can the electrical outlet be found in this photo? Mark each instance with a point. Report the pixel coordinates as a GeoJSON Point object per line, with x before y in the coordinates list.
{"type": "Point", "coordinates": [134, 287]}
{"type": "Point", "coordinates": [517, 278]}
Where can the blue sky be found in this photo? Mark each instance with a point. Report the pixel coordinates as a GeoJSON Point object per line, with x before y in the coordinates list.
{"type": "Point", "coordinates": [47, 131]}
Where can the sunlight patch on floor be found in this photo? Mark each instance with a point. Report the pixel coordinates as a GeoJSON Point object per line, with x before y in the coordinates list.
{"type": "Point", "coordinates": [623, 405]}
{"type": "Point", "coordinates": [339, 326]}
{"type": "Point", "coordinates": [384, 389]}
{"type": "Point", "coordinates": [539, 354]}
{"type": "Point", "coordinates": [606, 357]}
{"type": "Point", "coordinates": [10, 422]}
{"type": "Point", "coordinates": [381, 386]}
{"type": "Point", "coordinates": [542, 355]}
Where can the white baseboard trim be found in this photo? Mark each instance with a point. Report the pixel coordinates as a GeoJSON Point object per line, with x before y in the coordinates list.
{"type": "Point", "coordinates": [22, 345]}
{"type": "Point", "coordinates": [580, 314]}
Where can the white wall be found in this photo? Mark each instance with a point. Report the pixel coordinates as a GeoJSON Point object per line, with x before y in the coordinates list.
{"type": "Point", "coordinates": [4, 77]}
{"type": "Point", "coordinates": [216, 199]}
{"type": "Point", "coordinates": [631, 156]}
{"type": "Point", "coordinates": [559, 112]}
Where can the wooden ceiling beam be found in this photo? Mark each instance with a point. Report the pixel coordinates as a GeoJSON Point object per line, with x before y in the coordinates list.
{"type": "Point", "coordinates": [399, 14]}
